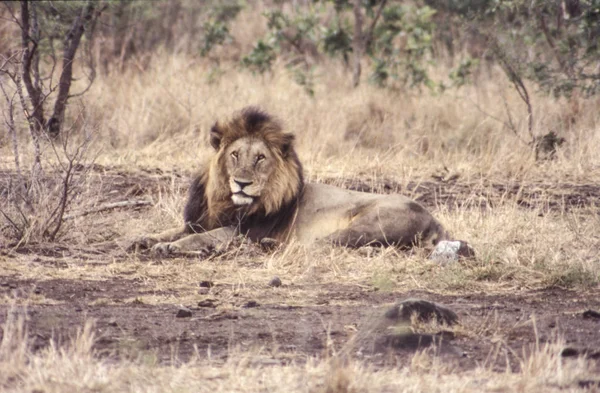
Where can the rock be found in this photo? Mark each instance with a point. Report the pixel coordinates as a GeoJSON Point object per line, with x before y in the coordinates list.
{"type": "Point", "coordinates": [406, 339]}
{"type": "Point", "coordinates": [451, 251]}
{"type": "Point", "coordinates": [392, 329]}
{"type": "Point", "coordinates": [206, 284]}
{"type": "Point", "coordinates": [113, 323]}
{"type": "Point", "coordinates": [369, 251]}
{"type": "Point", "coordinates": [591, 314]}
{"type": "Point", "coordinates": [203, 291]}
{"type": "Point", "coordinates": [269, 244]}
{"type": "Point", "coordinates": [209, 303]}
{"type": "Point", "coordinates": [589, 353]}
{"type": "Point", "coordinates": [589, 383]}
{"type": "Point", "coordinates": [275, 282]}
{"type": "Point", "coordinates": [183, 312]}
{"type": "Point", "coordinates": [251, 304]}
{"type": "Point", "coordinates": [425, 311]}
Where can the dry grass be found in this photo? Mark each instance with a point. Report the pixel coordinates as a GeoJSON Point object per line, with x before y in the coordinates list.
{"type": "Point", "coordinates": [75, 367]}
{"type": "Point", "coordinates": [172, 104]}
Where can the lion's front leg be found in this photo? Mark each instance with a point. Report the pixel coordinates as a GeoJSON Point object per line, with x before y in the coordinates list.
{"type": "Point", "coordinates": [200, 244]}
{"type": "Point", "coordinates": [149, 241]}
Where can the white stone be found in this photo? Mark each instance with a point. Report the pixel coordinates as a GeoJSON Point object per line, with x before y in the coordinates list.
{"type": "Point", "coordinates": [446, 251]}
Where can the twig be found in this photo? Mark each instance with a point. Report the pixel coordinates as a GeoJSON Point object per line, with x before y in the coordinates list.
{"type": "Point", "coordinates": [511, 123]}
{"type": "Point", "coordinates": [70, 44]}
{"type": "Point", "coordinates": [369, 36]}
{"type": "Point", "coordinates": [109, 206]}
{"type": "Point", "coordinates": [88, 49]}
{"type": "Point", "coordinates": [357, 42]}
{"type": "Point", "coordinates": [36, 119]}
{"type": "Point", "coordinates": [516, 79]}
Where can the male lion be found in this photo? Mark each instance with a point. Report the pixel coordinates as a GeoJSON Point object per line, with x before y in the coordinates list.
{"type": "Point", "coordinates": [254, 186]}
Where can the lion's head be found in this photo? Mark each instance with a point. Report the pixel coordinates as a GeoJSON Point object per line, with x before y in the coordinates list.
{"type": "Point", "coordinates": [255, 168]}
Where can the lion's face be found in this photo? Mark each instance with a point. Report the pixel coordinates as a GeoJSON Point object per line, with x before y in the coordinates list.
{"type": "Point", "coordinates": [255, 165]}
{"type": "Point", "coordinates": [249, 164]}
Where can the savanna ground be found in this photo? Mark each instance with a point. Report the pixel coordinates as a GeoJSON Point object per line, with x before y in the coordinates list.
{"type": "Point", "coordinates": [84, 314]}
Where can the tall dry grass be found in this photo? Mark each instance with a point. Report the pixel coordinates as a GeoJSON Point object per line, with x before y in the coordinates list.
{"type": "Point", "coordinates": [161, 115]}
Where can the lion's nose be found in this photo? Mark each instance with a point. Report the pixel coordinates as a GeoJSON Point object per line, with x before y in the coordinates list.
{"type": "Point", "coordinates": [242, 183]}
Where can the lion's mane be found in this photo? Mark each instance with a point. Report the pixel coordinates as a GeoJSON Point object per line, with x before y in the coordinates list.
{"type": "Point", "coordinates": [209, 204]}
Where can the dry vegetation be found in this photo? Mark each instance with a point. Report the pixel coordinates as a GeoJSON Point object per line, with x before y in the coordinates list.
{"type": "Point", "coordinates": [534, 224]}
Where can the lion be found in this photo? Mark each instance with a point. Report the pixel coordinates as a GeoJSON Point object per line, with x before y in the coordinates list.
{"type": "Point", "coordinates": [254, 186]}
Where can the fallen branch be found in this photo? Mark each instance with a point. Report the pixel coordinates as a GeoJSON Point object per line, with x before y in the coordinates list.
{"type": "Point", "coordinates": [109, 206]}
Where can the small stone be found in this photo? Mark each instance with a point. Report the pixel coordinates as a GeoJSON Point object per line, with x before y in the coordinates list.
{"type": "Point", "coordinates": [424, 310]}
{"type": "Point", "coordinates": [568, 352]}
{"type": "Point", "coordinates": [251, 304]}
{"type": "Point", "coordinates": [589, 314]}
{"type": "Point", "coordinates": [210, 303]}
{"type": "Point", "coordinates": [269, 244]}
{"type": "Point", "coordinates": [203, 291]}
{"type": "Point", "coordinates": [113, 323]}
{"type": "Point", "coordinates": [183, 312]}
{"type": "Point", "coordinates": [275, 282]}
{"type": "Point", "coordinates": [450, 251]}
{"type": "Point", "coordinates": [206, 284]}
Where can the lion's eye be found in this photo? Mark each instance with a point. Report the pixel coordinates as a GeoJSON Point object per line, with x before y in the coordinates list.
{"type": "Point", "coordinates": [234, 154]}
{"type": "Point", "coordinates": [259, 158]}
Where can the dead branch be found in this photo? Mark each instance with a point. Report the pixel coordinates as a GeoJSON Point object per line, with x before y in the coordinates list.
{"type": "Point", "coordinates": [88, 53]}
{"type": "Point", "coordinates": [10, 124]}
{"type": "Point", "coordinates": [369, 36]}
{"type": "Point", "coordinates": [68, 186]}
{"type": "Point", "coordinates": [555, 51]}
{"type": "Point", "coordinates": [37, 164]}
{"type": "Point", "coordinates": [109, 206]}
{"type": "Point", "coordinates": [357, 42]}
{"type": "Point", "coordinates": [36, 118]}
{"type": "Point", "coordinates": [64, 198]}
{"type": "Point", "coordinates": [511, 124]}
{"type": "Point", "coordinates": [71, 43]}
{"type": "Point", "coordinates": [16, 227]}
{"type": "Point", "coordinates": [515, 78]}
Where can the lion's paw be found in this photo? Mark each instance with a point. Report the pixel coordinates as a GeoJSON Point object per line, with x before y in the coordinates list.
{"type": "Point", "coordinates": [141, 244]}
{"type": "Point", "coordinates": [165, 249]}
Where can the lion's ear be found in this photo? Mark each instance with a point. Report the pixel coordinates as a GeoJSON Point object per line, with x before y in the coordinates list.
{"type": "Point", "coordinates": [288, 143]}
{"type": "Point", "coordinates": [215, 136]}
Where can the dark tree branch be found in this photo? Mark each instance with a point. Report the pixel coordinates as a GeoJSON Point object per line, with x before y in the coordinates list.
{"type": "Point", "coordinates": [71, 43]}
{"type": "Point", "coordinates": [10, 124]}
{"type": "Point", "coordinates": [88, 52]}
{"type": "Point", "coordinates": [515, 78]}
{"type": "Point", "coordinates": [357, 42]}
{"type": "Point", "coordinates": [36, 118]}
{"type": "Point", "coordinates": [35, 135]}
{"type": "Point", "coordinates": [371, 32]}
{"type": "Point", "coordinates": [550, 40]}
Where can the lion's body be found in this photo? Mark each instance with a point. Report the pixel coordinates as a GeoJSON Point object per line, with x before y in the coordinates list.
{"type": "Point", "coordinates": [254, 186]}
{"type": "Point", "coordinates": [357, 218]}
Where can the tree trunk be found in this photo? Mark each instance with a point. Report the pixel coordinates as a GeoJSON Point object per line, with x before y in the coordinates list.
{"type": "Point", "coordinates": [36, 118]}
{"type": "Point", "coordinates": [357, 43]}
{"type": "Point", "coordinates": [71, 44]}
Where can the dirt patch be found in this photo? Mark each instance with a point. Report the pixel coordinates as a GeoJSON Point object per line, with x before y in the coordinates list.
{"type": "Point", "coordinates": [128, 328]}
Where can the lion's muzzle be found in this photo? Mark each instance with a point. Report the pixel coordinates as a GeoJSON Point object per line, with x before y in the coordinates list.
{"type": "Point", "coordinates": [243, 191]}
